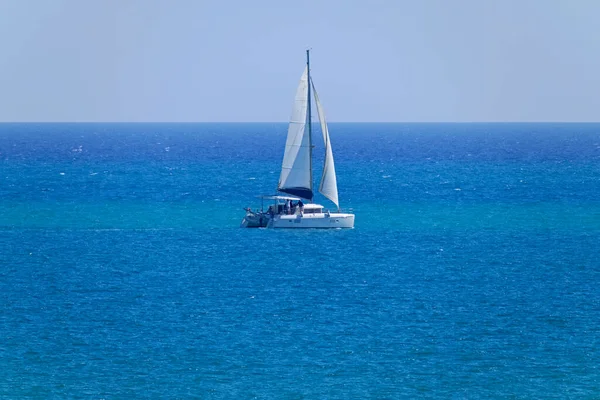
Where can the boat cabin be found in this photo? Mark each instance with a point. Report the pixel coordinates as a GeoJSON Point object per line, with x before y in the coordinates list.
{"type": "Point", "coordinates": [279, 207]}
{"type": "Point", "coordinates": [313, 209]}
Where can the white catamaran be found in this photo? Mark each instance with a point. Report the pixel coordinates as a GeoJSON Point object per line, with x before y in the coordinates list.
{"type": "Point", "coordinates": [296, 173]}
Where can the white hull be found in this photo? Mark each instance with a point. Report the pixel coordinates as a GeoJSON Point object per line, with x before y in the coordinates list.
{"type": "Point", "coordinates": [318, 220]}
{"type": "Point", "coordinates": [322, 221]}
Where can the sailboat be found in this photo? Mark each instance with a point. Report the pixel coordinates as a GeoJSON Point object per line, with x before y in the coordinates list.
{"type": "Point", "coordinates": [295, 187]}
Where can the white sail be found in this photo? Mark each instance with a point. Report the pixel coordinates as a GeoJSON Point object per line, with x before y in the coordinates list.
{"type": "Point", "coordinates": [296, 175]}
{"type": "Point", "coordinates": [328, 185]}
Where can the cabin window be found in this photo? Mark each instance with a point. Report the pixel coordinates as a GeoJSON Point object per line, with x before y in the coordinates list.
{"type": "Point", "coordinates": [313, 210]}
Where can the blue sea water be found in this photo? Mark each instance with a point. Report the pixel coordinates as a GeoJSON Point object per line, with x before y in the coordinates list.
{"type": "Point", "coordinates": [472, 272]}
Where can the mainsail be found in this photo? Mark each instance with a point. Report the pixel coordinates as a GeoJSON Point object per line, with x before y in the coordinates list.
{"type": "Point", "coordinates": [296, 174]}
{"type": "Point", "coordinates": [328, 185]}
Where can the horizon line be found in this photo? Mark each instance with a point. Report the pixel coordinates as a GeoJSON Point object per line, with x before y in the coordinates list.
{"type": "Point", "coordinates": [287, 122]}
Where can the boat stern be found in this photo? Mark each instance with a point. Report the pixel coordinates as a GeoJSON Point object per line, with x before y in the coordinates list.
{"type": "Point", "coordinates": [254, 220]}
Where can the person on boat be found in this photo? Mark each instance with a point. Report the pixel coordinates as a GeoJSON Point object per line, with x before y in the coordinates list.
{"type": "Point", "coordinates": [300, 205]}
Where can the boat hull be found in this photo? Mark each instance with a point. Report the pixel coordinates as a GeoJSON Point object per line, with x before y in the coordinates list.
{"type": "Point", "coordinates": [298, 221]}
{"type": "Point", "coordinates": [317, 221]}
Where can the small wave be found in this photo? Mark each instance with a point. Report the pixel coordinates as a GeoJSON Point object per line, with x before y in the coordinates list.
{"type": "Point", "coordinates": [118, 229]}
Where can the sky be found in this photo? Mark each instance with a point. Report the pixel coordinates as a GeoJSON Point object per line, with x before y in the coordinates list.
{"type": "Point", "coordinates": [240, 61]}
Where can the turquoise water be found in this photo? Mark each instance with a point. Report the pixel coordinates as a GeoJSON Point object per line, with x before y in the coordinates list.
{"type": "Point", "coordinates": [472, 271]}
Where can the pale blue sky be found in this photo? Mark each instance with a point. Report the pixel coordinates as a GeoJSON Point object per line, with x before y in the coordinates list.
{"type": "Point", "coordinates": [372, 60]}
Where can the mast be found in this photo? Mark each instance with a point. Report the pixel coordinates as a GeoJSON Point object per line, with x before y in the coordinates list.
{"type": "Point", "coordinates": [308, 117]}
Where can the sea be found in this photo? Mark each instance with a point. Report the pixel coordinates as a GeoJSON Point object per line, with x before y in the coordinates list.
{"type": "Point", "coordinates": [472, 272]}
